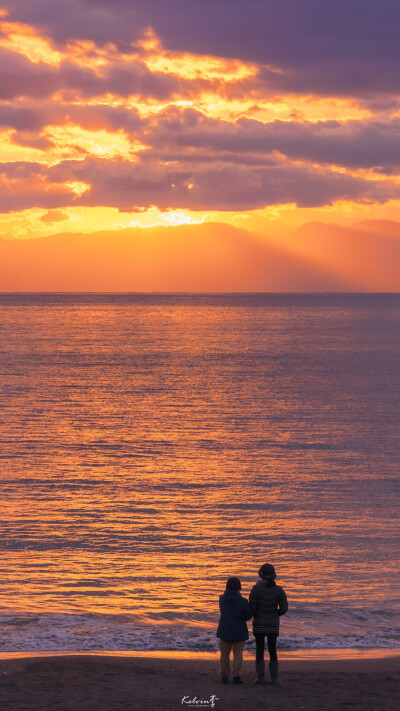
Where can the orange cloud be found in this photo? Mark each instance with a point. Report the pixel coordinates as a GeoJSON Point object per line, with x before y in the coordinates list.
{"type": "Point", "coordinates": [23, 39]}
{"type": "Point", "coordinates": [52, 216]}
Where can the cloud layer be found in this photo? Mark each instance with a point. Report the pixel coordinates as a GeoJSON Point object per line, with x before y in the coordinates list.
{"type": "Point", "coordinates": [221, 105]}
{"type": "Point", "coordinates": [323, 46]}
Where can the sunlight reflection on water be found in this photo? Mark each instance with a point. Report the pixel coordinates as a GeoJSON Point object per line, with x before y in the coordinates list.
{"type": "Point", "coordinates": [151, 448]}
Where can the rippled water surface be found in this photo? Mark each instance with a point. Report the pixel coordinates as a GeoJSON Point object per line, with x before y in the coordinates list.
{"type": "Point", "coordinates": [151, 446]}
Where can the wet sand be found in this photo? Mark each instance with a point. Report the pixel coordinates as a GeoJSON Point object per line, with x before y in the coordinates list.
{"type": "Point", "coordinates": [103, 683]}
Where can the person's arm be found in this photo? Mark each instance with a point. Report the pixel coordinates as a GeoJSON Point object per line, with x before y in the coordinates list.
{"type": "Point", "coordinates": [282, 603]}
{"type": "Point", "coordinates": [253, 600]}
{"type": "Point", "coordinates": [247, 611]}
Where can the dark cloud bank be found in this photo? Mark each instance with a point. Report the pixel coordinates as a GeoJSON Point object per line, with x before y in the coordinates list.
{"type": "Point", "coordinates": [344, 47]}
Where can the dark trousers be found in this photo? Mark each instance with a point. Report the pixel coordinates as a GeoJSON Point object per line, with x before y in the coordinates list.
{"type": "Point", "coordinates": [271, 642]}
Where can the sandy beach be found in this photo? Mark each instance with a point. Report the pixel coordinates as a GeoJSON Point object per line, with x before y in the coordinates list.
{"type": "Point", "coordinates": [101, 683]}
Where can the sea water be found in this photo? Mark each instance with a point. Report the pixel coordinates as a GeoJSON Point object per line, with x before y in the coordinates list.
{"type": "Point", "coordinates": [153, 445]}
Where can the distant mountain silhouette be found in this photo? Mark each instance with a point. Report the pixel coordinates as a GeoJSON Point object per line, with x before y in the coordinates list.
{"type": "Point", "coordinates": [368, 252]}
{"type": "Point", "coordinates": [379, 227]}
{"type": "Point", "coordinates": [210, 257]}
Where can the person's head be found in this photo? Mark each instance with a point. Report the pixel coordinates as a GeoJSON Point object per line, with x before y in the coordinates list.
{"type": "Point", "coordinates": [267, 573]}
{"type": "Point", "coordinates": [233, 584]}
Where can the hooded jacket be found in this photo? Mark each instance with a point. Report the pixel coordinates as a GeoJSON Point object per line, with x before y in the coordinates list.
{"type": "Point", "coordinates": [235, 610]}
{"type": "Point", "coordinates": [268, 602]}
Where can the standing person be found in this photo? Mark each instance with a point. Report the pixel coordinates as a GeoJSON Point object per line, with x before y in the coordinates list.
{"type": "Point", "coordinates": [268, 602]}
{"type": "Point", "coordinates": [232, 629]}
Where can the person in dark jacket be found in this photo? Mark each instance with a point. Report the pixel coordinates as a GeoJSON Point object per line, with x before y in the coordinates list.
{"type": "Point", "coordinates": [268, 602]}
{"type": "Point", "coordinates": [232, 629]}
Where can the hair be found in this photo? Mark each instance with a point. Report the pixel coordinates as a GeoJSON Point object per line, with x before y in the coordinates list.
{"type": "Point", "coordinates": [233, 584]}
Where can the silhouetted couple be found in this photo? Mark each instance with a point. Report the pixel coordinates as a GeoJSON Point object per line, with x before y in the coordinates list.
{"type": "Point", "coordinates": [267, 602]}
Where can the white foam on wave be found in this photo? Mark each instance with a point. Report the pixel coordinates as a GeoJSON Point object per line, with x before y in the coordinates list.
{"type": "Point", "coordinates": [68, 632]}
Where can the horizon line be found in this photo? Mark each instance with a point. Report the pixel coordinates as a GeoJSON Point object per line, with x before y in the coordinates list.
{"type": "Point", "coordinates": [204, 293]}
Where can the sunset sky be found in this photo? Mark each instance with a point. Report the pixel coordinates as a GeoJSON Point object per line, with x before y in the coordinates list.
{"type": "Point", "coordinates": [265, 114]}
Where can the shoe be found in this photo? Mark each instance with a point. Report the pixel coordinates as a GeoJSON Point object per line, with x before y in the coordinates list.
{"type": "Point", "coordinates": [237, 680]}
{"type": "Point", "coordinates": [260, 669]}
{"type": "Point", "coordinates": [224, 679]}
{"type": "Point", "coordinates": [273, 671]}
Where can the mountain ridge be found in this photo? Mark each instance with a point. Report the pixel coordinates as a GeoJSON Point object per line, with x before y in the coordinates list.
{"type": "Point", "coordinates": [208, 257]}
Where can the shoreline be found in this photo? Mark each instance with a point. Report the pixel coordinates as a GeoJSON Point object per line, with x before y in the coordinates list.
{"type": "Point", "coordinates": [293, 655]}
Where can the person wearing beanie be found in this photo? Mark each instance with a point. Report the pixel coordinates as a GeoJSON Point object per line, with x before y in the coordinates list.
{"type": "Point", "coordinates": [268, 602]}
{"type": "Point", "coordinates": [232, 629]}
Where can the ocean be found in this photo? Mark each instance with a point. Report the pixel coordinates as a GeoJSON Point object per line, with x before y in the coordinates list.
{"type": "Point", "coordinates": [153, 445]}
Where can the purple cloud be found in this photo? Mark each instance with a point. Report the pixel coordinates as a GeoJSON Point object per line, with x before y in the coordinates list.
{"type": "Point", "coordinates": [341, 47]}
{"type": "Point", "coordinates": [21, 78]}
{"type": "Point", "coordinates": [134, 186]}
{"type": "Point", "coordinates": [353, 144]}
